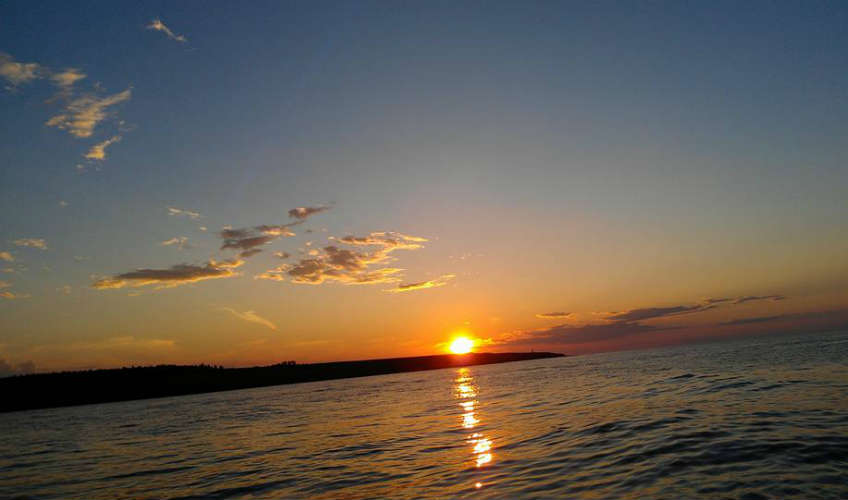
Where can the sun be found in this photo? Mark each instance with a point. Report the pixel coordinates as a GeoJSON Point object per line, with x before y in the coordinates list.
{"type": "Point", "coordinates": [461, 345]}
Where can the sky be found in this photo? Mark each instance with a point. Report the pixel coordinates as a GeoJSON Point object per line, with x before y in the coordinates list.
{"type": "Point", "coordinates": [246, 183]}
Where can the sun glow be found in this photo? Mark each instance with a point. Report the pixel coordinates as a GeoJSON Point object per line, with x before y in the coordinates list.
{"type": "Point", "coordinates": [461, 345]}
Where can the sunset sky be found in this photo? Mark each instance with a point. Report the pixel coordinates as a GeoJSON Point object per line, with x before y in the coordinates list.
{"type": "Point", "coordinates": [245, 183]}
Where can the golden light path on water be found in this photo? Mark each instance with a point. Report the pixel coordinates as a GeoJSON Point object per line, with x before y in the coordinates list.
{"type": "Point", "coordinates": [481, 446]}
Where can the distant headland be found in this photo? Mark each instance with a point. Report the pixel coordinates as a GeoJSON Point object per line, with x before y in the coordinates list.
{"type": "Point", "coordinates": [48, 390]}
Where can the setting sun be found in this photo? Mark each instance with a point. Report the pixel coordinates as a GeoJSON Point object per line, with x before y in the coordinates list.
{"type": "Point", "coordinates": [461, 345]}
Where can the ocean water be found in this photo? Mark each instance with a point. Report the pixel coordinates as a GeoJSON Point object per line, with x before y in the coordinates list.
{"type": "Point", "coordinates": [763, 417]}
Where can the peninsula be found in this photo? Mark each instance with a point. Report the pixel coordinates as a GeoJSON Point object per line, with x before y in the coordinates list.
{"type": "Point", "coordinates": [26, 392]}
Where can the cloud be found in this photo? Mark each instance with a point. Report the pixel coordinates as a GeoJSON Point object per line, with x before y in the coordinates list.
{"type": "Point", "coordinates": [247, 239]}
{"type": "Point", "coordinates": [579, 334]}
{"type": "Point", "coordinates": [810, 320]}
{"type": "Point", "coordinates": [616, 325]}
{"type": "Point", "coordinates": [181, 242]}
{"type": "Point", "coordinates": [7, 257]}
{"type": "Point", "coordinates": [386, 239]}
{"type": "Point", "coordinates": [66, 289]}
{"type": "Point", "coordinates": [705, 305]}
{"type": "Point", "coordinates": [66, 79]}
{"type": "Point", "coordinates": [5, 294]}
{"type": "Point", "coordinates": [352, 267]}
{"type": "Point", "coordinates": [551, 315]}
{"type": "Point", "coordinates": [250, 253]}
{"type": "Point", "coordinates": [750, 298]}
{"type": "Point", "coordinates": [282, 255]}
{"type": "Point", "coordinates": [252, 317]}
{"type": "Point", "coordinates": [81, 115]}
{"type": "Point", "coordinates": [31, 242]}
{"type": "Point", "coordinates": [98, 151]}
{"type": "Point", "coordinates": [656, 312]}
{"type": "Point", "coordinates": [5, 284]}
{"type": "Point", "coordinates": [422, 285]}
{"type": "Point", "coordinates": [187, 213]}
{"type": "Point", "coordinates": [303, 213]}
{"type": "Point", "coordinates": [158, 25]}
{"type": "Point", "coordinates": [17, 73]}
{"type": "Point", "coordinates": [63, 203]}
{"type": "Point", "coordinates": [179, 274]}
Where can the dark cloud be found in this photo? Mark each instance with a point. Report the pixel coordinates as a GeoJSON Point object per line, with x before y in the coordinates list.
{"type": "Point", "coordinates": [627, 323]}
{"type": "Point", "coordinates": [247, 239]}
{"type": "Point", "coordinates": [247, 243]}
{"type": "Point", "coordinates": [760, 319]}
{"type": "Point", "coordinates": [656, 312]}
{"type": "Point", "coordinates": [719, 300]}
{"type": "Point", "coordinates": [750, 298]}
{"type": "Point", "coordinates": [303, 213]}
{"type": "Point", "coordinates": [179, 274]}
{"type": "Point", "coordinates": [250, 253]}
{"type": "Point", "coordinates": [551, 315]}
{"type": "Point", "coordinates": [571, 334]}
{"type": "Point", "coordinates": [422, 285]}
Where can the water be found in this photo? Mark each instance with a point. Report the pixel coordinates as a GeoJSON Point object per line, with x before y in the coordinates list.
{"type": "Point", "coordinates": [756, 418]}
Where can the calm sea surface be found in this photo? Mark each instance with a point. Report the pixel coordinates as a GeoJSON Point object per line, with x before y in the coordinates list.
{"type": "Point", "coordinates": [755, 418]}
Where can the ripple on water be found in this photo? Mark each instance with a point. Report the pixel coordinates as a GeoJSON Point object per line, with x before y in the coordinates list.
{"type": "Point", "coordinates": [764, 418]}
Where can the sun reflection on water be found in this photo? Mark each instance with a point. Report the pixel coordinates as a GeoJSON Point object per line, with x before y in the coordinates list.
{"type": "Point", "coordinates": [481, 446]}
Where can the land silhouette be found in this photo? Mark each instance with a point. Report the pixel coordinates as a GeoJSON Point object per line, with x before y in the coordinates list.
{"type": "Point", "coordinates": [47, 390]}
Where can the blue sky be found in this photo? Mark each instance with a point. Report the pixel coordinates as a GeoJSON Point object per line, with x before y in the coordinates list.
{"type": "Point", "coordinates": [597, 156]}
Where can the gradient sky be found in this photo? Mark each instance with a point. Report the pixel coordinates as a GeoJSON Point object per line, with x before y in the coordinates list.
{"type": "Point", "coordinates": [569, 176]}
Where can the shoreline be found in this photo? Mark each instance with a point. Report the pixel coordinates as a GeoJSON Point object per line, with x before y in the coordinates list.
{"type": "Point", "coordinates": [62, 389]}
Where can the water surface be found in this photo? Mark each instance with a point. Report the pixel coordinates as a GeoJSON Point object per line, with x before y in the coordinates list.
{"type": "Point", "coordinates": [765, 417]}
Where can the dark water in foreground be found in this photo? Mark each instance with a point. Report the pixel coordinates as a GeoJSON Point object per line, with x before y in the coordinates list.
{"type": "Point", "coordinates": [754, 418]}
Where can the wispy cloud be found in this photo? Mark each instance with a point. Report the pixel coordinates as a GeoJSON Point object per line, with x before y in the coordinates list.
{"type": "Point", "coordinates": [67, 78]}
{"type": "Point", "coordinates": [98, 151]}
{"type": "Point", "coordinates": [616, 325]}
{"type": "Point", "coordinates": [422, 285]}
{"type": "Point", "coordinates": [750, 298]}
{"type": "Point", "coordinates": [657, 312]}
{"type": "Point", "coordinates": [386, 239]}
{"type": "Point", "coordinates": [181, 242]}
{"type": "Point", "coordinates": [306, 212]}
{"type": "Point", "coordinates": [552, 315]}
{"type": "Point", "coordinates": [82, 114]}
{"type": "Point", "coordinates": [282, 255]}
{"type": "Point", "coordinates": [186, 213]}
{"type": "Point", "coordinates": [578, 334]}
{"type": "Point", "coordinates": [180, 274]}
{"type": "Point", "coordinates": [158, 25]}
{"type": "Point", "coordinates": [252, 317]}
{"type": "Point", "coordinates": [7, 257]}
{"type": "Point", "coordinates": [31, 242]}
{"type": "Point", "coordinates": [17, 73]}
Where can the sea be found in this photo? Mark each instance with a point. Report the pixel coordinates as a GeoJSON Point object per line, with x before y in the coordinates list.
{"type": "Point", "coordinates": [759, 417]}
